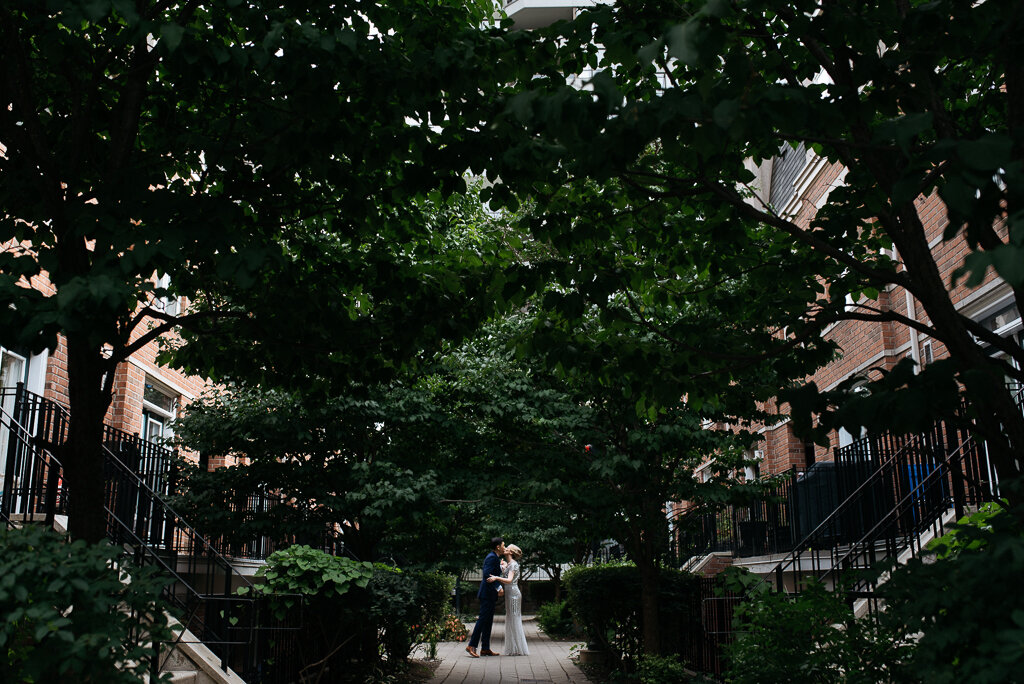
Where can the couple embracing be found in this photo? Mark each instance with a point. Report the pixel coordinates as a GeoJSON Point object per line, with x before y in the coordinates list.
{"type": "Point", "coordinates": [500, 577]}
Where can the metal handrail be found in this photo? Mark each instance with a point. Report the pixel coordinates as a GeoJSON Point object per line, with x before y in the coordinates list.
{"type": "Point", "coordinates": [947, 461]}
{"type": "Point", "coordinates": [26, 439]}
{"type": "Point", "coordinates": [898, 509]}
{"type": "Point", "coordinates": [883, 470]}
{"type": "Point", "coordinates": [128, 491]}
{"type": "Point", "coordinates": [211, 556]}
{"type": "Point", "coordinates": [207, 547]}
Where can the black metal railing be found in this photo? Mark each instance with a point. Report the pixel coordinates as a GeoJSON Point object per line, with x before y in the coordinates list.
{"type": "Point", "coordinates": [893, 488]}
{"type": "Point", "coordinates": [43, 426]}
{"type": "Point", "coordinates": [240, 630]}
{"type": "Point", "coordinates": [765, 526]}
{"type": "Point", "coordinates": [204, 582]}
{"type": "Point", "coordinates": [33, 489]}
{"type": "Point", "coordinates": [830, 505]}
{"type": "Point", "coordinates": [706, 626]}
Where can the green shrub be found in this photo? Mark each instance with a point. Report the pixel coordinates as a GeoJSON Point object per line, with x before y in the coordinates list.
{"type": "Point", "coordinates": [556, 619]}
{"type": "Point", "coordinates": [812, 636]}
{"type": "Point", "coordinates": [310, 572]}
{"type": "Point", "coordinates": [448, 628]}
{"type": "Point", "coordinates": [950, 617]}
{"type": "Point", "coordinates": [662, 670]}
{"type": "Point", "coordinates": [606, 602]}
{"type": "Point", "coordinates": [405, 604]}
{"type": "Point", "coordinates": [67, 614]}
{"type": "Point", "coordinates": [964, 603]}
{"type": "Point", "coordinates": [360, 620]}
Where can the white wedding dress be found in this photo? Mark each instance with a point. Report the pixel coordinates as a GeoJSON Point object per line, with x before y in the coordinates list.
{"type": "Point", "coordinates": [515, 638]}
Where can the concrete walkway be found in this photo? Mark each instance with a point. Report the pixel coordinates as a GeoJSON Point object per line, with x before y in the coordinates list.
{"type": "Point", "coordinates": [548, 662]}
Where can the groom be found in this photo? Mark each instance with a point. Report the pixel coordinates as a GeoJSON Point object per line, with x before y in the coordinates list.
{"type": "Point", "coordinates": [488, 595]}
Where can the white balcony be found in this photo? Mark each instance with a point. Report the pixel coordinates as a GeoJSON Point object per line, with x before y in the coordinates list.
{"type": "Point", "coordinates": [531, 14]}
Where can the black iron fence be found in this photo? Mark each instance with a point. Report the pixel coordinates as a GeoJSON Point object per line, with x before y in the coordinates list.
{"type": "Point", "coordinates": [876, 500]}
{"type": "Point", "coordinates": [891, 490]}
{"type": "Point", "coordinates": [204, 584]}
{"type": "Point", "coordinates": [240, 629]}
{"type": "Point", "coordinates": [893, 486]}
{"type": "Point", "coordinates": [716, 607]}
{"type": "Point", "coordinates": [31, 428]}
{"type": "Point", "coordinates": [766, 526]}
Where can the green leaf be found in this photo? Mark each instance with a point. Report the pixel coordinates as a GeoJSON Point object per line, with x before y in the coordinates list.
{"type": "Point", "coordinates": [988, 153]}
{"type": "Point", "coordinates": [681, 41]}
{"type": "Point", "coordinates": [171, 35]}
{"type": "Point", "coordinates": [725, 113]}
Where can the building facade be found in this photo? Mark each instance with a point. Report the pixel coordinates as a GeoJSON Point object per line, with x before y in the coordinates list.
{"type": "Point", "coordinates": [798, 183]}
{"type": "Point", "coordinates": [147, 396]}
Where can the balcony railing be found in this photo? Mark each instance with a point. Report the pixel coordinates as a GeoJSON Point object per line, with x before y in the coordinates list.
{"type": "Point", "coordinates": [241, 630]}
{"type": "Point", "coordinates": [898, 483]}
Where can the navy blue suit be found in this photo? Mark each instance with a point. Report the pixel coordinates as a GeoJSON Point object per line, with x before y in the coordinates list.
{"type": "Point", "coordinates": [488, 595]}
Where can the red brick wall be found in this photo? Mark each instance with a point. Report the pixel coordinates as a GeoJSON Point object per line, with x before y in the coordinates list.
{"type": "Point", "coordinates": [125, 412]}
{"type": "Point", "coordinates": [867, 344]}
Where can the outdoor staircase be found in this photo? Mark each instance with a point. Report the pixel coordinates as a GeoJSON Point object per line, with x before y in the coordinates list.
{"type": "Point", "coordinates": [709, 564]}
{"type": "Point", "coordinates": [882, 499]}
{"type": "Point", "coordinates": [226, 638]}
{"type": "Point", "coordinates": [908, 490]}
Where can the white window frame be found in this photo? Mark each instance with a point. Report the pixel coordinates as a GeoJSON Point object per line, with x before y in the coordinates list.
{"type": "Point", "coordinates": [151, 413]}
{"type": "Point", "coordinates": [169, 305]}
{"type": "Point", "coordinates": [5, 352]}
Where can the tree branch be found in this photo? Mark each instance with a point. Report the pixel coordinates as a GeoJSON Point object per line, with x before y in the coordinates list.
{"type": "Point", "coordinates": [807, 237]}
{"type": "Point", "coordinates": [169, 324]}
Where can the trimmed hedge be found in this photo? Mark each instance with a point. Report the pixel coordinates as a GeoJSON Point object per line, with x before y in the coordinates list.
{"type": "Point", "coordinates": [556, 619]}
{"type": "Point", "coordinates": [360, 620]}
{"type": "Point", "coordinates": [605, 600]}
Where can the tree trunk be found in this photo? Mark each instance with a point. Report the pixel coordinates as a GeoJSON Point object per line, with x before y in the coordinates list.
{"type": "Point", "coordinates": [648, 556]}
{"type": "Point", "coordinates": [649, 586]}
{"type": "Point", "coordinates": [82, 455]}
{"type": "Point", "coordinates": [999, 421]}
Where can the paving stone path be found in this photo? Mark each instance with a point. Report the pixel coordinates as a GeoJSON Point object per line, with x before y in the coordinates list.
{"type": "Point", "coordinates": [548, 662]}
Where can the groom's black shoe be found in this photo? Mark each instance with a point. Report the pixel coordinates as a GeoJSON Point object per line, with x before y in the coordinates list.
{"type": "Point", "coordinates": [488, 651]}
{"type": "Point", "coordinates": [472, 652]}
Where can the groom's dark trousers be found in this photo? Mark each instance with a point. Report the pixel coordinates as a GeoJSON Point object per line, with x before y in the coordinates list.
{"type": "Point", "coordinates": [488, 595]}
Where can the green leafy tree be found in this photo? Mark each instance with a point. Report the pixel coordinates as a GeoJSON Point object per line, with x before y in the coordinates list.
{"type": "Point", "coordinates": [520, 416]}
{"type": "Point", "coordinates": [912, 98]}
{"type": "Point", "coordinates": [374, 465]}
{"type": "Point", "coordinates": [272, 162]}
{"type": "Point", "coordinates": [651, 339]}
{"type": "Point", "coordinates": [567, 430]}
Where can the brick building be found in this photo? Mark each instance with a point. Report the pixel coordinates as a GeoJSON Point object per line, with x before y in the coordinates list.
{"type": "Point", "coordinates": [147, 398]}
{"type": "Point", "coordinates": [798, 183]}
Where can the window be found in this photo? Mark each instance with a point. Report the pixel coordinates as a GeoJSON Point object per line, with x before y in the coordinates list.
{"type": "Point", "coordinates": [787, 166]}
{"type": "Point", "coordinates": [166, 303]}
{"type": "Point", "coordinates": [846, 438]}
{"type": "Point", "coordinates": [927, 353]}
{"type": "Point", "coordinates": [13, 368]}
{"type": "Point", "coordinates": [1005, 322]}
{"type": "Point", "coordinates": [159, 408]}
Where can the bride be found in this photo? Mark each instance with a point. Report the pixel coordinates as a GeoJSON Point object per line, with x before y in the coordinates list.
{"type": "Point", "coordinates": [515, 638]}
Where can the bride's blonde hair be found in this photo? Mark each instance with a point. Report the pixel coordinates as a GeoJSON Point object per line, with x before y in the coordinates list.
{"type": "Point", "coordinates": [516, 552]}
